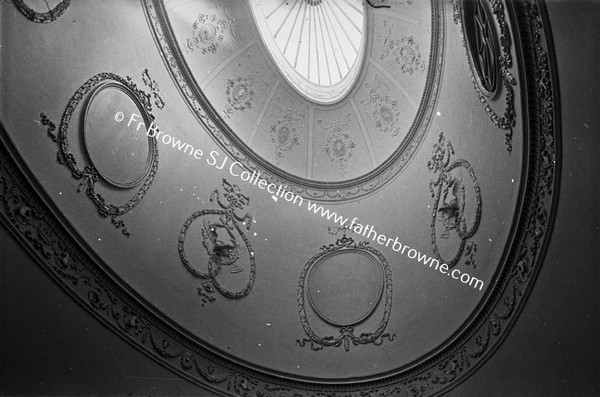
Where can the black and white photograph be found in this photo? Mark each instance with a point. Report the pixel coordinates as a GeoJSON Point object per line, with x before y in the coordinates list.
{"type": "Point", "coordinates": [299, 198]}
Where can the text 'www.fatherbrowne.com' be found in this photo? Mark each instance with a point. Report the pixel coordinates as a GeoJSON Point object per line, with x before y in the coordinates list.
{"type": "Point", "coordinates": [237, 169]}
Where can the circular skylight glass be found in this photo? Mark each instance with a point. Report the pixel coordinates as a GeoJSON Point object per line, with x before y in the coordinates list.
{"type": "Point", "coordinates": [318, 45]}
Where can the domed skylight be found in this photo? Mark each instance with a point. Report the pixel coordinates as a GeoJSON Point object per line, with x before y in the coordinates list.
{"type": "Point", "coordinates": [318, 45]}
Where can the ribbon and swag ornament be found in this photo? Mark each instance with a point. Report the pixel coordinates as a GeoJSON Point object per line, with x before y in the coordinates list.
{"type": "Point", "coordinates": [340, 289]}
{"type": "Point", "coordinates": [225, 243]}
{"type": "Point", "coordinates": [456, 214]}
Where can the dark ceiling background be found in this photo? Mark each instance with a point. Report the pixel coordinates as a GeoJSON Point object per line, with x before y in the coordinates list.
{"type": "Point", "coordinates": [49, 345]}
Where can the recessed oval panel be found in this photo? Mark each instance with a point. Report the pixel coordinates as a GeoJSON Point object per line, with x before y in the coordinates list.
{"type": "Point", "coordinates": [115, 136]}
{"type": "Point", "coordinates": [344, 288]}
{"type": "Point", "coordinates": [482, 41]}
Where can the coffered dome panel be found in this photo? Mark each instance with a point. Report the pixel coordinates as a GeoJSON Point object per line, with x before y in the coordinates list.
{"type": "Point", "coordinates": [238, 64]}
{"type": "Point", "coordinates": [282, 135]}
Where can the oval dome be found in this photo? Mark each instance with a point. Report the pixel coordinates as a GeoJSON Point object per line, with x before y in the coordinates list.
{"type": "Point", "coordinates": [329, 98]}
{"type": "Point", "coordinates": [317, 45]}
{"type": "Point", "coordinates": [402, 284]}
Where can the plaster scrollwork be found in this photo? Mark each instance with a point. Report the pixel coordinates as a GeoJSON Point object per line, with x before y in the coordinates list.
{"type": "Point", "coordinates": [224, 242]}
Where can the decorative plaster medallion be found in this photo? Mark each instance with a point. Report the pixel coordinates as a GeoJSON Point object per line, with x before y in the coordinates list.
{"type": "Point", "coordinates": [89, 176]}
{"type": "Point", "coordinates": [361, 300]}
{"type": "Point", "coordinates": [240, 93]}
{"type": "Point", "coordinates": [480, 39]}
{"type": "Point", "coordinates": [211, 31]}
{"type": "Point", "coordinates": [225, 243]}
{"type": "Point", "coordinates": [339, 146]}
{"type": "Point", "coordinates": [457, 204]}
{"type": "Point", "coordinates": [243, 89]}
{"type": "Point", "coordinates": [400, 53]}
{"type": "Point", "coordinates": [383, 110]}
{"type": "Point", "coordinates": [284, 134]}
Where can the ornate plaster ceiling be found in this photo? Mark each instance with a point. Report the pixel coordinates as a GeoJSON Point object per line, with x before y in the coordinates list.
{"type": "Point", "coordinates": [317, 46]}
{"type": "Point", "coordinates": [446, 147]}
{"type": "Point", "coordinates": [231, 73]}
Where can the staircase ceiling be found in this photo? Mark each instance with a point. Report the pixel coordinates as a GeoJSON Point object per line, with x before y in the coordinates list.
{"type": "Point", "coordinates": [265, 110]}
{"type": "Point", "coordinates": [186, 182]}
